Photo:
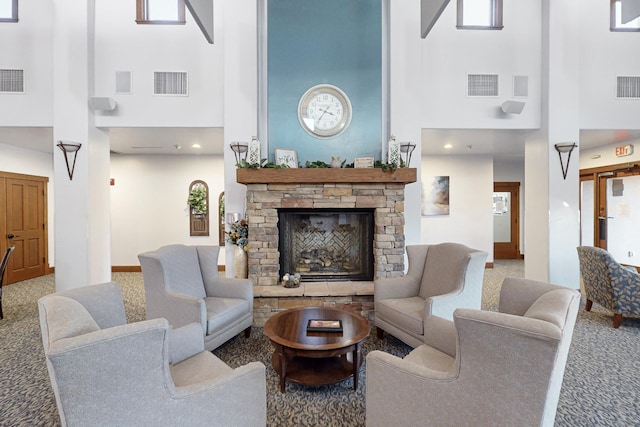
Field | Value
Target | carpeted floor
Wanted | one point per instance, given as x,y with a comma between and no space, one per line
599,389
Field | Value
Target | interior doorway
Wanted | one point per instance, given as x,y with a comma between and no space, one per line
23,224
506,220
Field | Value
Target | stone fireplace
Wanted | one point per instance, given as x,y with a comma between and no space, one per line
270,190
273,191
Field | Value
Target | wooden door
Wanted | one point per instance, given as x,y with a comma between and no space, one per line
506,212
25,227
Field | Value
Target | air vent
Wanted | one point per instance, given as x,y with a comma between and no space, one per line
482,85
123,82
11,81
628,87
170,83
521,86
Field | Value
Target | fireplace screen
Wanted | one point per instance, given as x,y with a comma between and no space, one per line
326,244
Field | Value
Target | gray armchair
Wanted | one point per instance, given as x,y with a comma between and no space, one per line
105,372
440,279
483,368
182,284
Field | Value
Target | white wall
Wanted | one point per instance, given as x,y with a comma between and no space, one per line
29,162
123,45
470,221
26,45
148,202
603,56
450,54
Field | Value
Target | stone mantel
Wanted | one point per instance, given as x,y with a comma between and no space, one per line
325,176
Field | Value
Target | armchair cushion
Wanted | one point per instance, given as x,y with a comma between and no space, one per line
408,312
224,311
69,319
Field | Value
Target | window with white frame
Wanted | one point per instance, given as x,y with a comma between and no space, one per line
480,14
616,19
8,10
166,12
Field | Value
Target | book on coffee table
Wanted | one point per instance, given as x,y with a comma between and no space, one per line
321,325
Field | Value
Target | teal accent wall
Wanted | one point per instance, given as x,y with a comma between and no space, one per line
325,41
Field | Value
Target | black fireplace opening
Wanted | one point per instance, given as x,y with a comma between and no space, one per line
326,244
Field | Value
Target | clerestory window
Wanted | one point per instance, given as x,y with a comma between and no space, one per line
8,10
616,19
479,14
163,12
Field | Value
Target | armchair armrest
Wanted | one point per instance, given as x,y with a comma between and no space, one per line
444,305
390,380
185,342
226,287
398,287
407,286
238,397
178,309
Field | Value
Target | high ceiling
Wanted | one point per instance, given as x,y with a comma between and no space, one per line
501,144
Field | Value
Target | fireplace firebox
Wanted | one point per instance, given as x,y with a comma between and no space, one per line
326,244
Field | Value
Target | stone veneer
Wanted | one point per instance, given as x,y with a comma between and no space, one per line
317,189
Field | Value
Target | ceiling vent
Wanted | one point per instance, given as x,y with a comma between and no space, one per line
170,83
628,87
123,82
482,85
11,81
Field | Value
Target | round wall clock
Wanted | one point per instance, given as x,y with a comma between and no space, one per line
324,111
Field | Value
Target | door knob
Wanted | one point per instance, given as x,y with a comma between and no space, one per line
10,236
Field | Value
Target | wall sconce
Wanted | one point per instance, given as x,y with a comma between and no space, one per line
68,148
561,148
406,149
512,107
240,150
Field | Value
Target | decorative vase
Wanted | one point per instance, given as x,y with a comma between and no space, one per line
240,263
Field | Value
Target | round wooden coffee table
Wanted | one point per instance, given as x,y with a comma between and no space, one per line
316,358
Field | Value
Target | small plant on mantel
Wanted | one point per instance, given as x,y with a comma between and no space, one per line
264,164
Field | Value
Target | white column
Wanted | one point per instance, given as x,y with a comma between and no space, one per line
404,80
552,202
240,97
81,206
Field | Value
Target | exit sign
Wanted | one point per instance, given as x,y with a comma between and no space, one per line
624,150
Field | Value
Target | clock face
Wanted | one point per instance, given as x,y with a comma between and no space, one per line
324,111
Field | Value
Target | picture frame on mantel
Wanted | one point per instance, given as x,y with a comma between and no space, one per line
363,162
286,156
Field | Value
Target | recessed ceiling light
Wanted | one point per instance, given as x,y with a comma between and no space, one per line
448,146
195,146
